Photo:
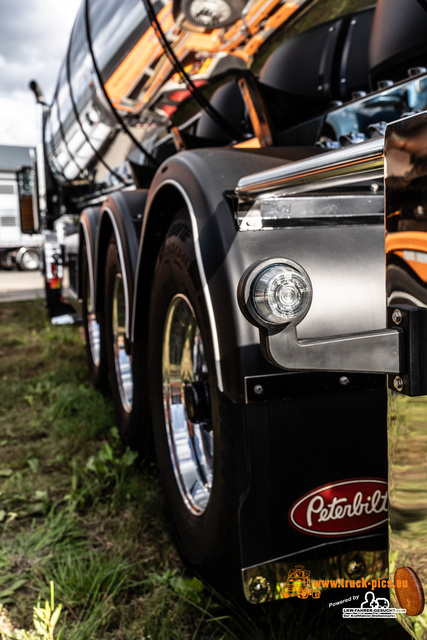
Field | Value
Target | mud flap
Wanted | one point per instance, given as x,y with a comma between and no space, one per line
318,480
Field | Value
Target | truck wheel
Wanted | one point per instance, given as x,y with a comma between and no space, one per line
95,343
120,366
199,451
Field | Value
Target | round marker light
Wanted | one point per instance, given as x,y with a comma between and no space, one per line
409,591
281,294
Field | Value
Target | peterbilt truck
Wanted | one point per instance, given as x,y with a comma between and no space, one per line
232,196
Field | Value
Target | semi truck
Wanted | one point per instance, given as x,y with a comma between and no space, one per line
234,193
17,248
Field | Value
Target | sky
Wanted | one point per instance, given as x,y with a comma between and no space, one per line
34,35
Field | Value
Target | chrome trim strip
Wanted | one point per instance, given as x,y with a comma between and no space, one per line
268,581
298,210
360,158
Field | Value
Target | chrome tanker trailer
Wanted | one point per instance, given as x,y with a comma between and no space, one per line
212,193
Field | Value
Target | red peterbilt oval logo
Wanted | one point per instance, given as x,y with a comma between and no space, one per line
342,508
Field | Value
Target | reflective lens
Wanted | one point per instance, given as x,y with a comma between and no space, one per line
209,13
281,294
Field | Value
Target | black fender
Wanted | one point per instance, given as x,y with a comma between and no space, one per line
202,181
121,214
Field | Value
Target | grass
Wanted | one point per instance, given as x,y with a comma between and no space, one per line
86,550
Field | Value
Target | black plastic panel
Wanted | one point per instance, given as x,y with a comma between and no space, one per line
299,444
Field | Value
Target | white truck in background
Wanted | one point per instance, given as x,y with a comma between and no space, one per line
17,249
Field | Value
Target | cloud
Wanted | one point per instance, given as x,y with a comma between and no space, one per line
18,121
34,36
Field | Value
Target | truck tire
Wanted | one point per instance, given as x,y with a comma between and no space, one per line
199,447
402,288
120,365
94,330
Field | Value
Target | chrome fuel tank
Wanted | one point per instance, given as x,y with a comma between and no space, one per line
140,83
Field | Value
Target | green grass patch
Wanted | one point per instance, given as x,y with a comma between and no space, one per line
86,550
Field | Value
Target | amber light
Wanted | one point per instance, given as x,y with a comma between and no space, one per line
411,595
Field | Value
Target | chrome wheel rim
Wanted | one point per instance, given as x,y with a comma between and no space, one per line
93,328
122,360
190,441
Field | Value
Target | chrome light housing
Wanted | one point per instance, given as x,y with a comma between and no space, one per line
275,292
210,14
